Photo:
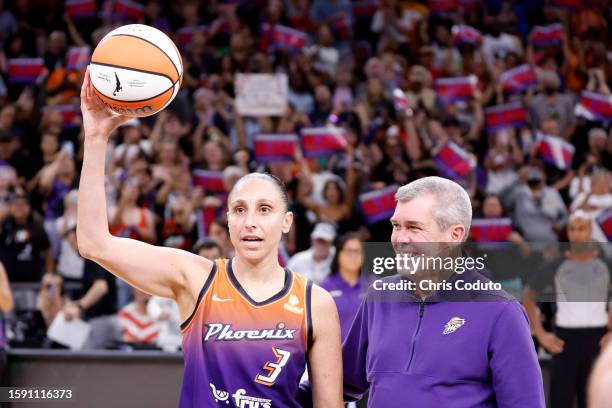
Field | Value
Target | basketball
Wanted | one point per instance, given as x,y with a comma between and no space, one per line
136,70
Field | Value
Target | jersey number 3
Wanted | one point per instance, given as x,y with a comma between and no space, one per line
273,368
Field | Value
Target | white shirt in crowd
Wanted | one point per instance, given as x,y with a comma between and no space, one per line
305,264
169,329
595,205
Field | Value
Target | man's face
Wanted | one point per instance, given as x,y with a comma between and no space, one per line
579,231
416,232
210,253
412,222
321,247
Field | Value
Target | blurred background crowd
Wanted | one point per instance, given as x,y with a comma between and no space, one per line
509,98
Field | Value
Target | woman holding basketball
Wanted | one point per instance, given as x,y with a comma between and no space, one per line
249,326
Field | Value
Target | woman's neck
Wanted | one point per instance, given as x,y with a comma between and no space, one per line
266,271
351,277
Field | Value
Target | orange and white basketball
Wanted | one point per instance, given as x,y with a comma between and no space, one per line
136,70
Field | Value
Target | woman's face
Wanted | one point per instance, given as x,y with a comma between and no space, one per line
131,135
257,217
350,257
56,118
332,193
167,153
130,190
49,144
218,233
213,154
491,208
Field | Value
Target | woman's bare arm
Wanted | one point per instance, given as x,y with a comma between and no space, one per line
6,297
159,271
325,357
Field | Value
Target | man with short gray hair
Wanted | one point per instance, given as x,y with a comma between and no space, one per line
424,348
452,204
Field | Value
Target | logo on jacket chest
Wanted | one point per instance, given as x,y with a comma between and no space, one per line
453,325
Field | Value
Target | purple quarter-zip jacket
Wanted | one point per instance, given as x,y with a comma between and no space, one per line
457,350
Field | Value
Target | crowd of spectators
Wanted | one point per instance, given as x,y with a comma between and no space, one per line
374,69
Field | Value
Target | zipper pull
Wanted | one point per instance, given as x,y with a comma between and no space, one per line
421,309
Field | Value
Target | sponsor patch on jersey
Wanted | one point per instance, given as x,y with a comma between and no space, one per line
240,398
224,332
292,305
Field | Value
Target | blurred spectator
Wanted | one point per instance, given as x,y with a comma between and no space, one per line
324,55
447,59
597,200
338,196
596,158
219,232
496,43
51,297
553,104
537,210
165,313
53,182
581,317
127,219
98,294
137,325
420,95
178,230
8,24
9,153
502,161
507,261
345,281
133,145
56,50
322,106
207,248
326,11
30,327
315,262
25,249
492,209
393,22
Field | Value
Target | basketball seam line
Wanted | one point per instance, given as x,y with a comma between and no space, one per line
156,46
134,69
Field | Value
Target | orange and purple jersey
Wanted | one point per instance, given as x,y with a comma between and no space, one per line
242,353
